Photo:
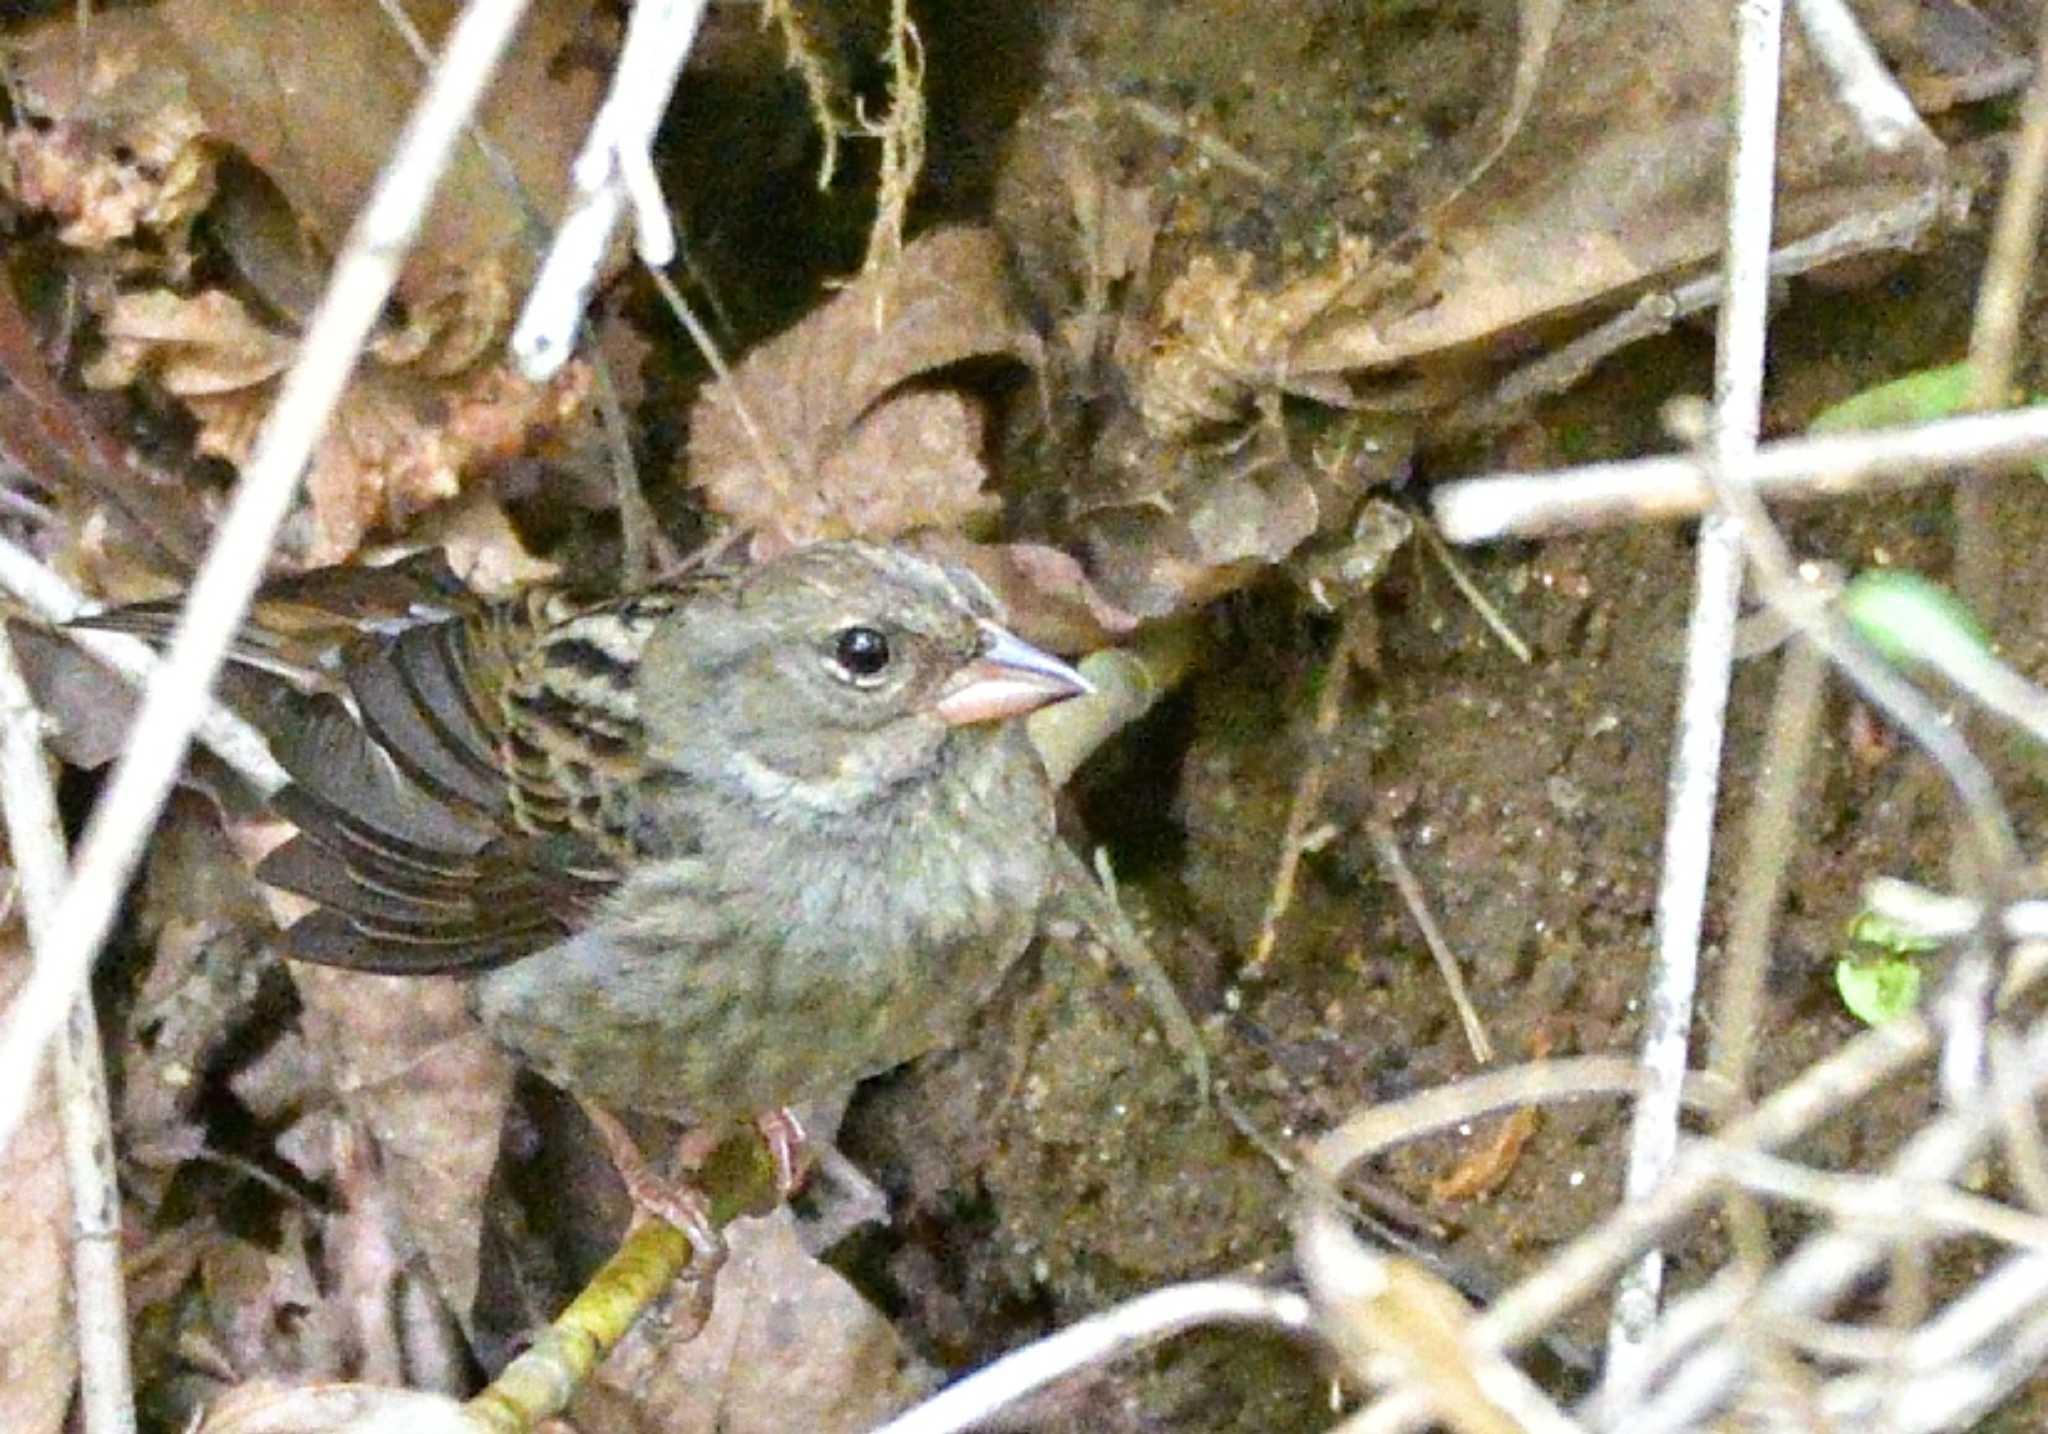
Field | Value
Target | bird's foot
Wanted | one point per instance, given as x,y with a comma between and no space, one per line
674,1201
788,1147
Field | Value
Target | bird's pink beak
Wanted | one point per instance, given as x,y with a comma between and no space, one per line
1008,679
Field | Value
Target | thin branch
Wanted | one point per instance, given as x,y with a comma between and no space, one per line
1995,329
1527,505
1767,850
1710,654
1827,1266
56,602
1879,1205
1381,1127
1862,83
36,837
613,170
1576,1272
1115,1332
1804,605
1902,227
1387,849
175,700
1972,1356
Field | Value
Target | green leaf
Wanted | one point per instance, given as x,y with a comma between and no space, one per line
1870,930
1918,397
1911,619
1880,990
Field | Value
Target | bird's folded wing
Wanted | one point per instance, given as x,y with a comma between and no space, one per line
377,697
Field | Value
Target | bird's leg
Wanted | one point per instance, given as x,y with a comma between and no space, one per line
676,1201
787,1145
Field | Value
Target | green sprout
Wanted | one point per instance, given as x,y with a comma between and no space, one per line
1920,397
1878,971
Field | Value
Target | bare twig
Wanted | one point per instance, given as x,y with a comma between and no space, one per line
1958,1367
1802,604
1710,653
1901,227
2025,1155
1578,1270
174,702
775,463
1395,865
1862,83
1480,510
1827,1266
36,838
1766,859
1382,1127
1489,614
55,601
1994,333
1882,1206
613,170
1303,806
1115,1332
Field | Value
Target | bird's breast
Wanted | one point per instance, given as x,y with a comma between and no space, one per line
785,959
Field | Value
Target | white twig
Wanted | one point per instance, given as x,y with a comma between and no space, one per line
1710,655
1921,1210
36,837
1961,1363
614,170
1115,1332
176,698
1948,918
1862,83
1479,510
56,602
1828,1265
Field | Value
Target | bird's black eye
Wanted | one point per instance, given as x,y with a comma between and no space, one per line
861,651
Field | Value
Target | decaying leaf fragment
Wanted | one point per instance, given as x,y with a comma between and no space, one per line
35,1212
828,429
400,440
115,147
126,128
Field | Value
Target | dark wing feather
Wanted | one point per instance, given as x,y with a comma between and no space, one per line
410,830
461,771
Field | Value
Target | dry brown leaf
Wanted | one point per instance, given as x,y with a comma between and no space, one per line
266,1407
1047,596
842,451
265,1305
38,1361
207,931
1222,523
167,89
397,446
1613,179
121,154
263,80
789,1345
483,549
417,1070
207,344
1219,340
